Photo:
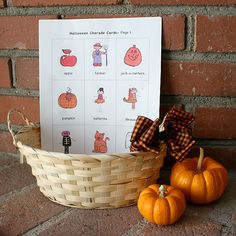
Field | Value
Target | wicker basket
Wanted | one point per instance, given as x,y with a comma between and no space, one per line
86,181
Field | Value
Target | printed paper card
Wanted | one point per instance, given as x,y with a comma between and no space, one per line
96,77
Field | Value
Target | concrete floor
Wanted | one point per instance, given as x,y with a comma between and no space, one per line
25,211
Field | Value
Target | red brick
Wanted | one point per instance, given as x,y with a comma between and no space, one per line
29,3
215,34
1,3
25,211
215,123
96,222
28,105
173,29
184,2
198,78
16,177
27,73
5,80
6,144
188,225
173,32
20,32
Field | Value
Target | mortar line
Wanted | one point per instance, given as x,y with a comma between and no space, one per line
5,167
123,9
8,196
211,57
227,143
137,228
13,157
29,53
189,35
206,101
19,92
50,222
186,55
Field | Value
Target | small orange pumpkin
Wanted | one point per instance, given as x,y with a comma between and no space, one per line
201,180
161,205
67,99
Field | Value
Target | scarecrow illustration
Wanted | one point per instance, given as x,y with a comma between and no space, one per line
97,54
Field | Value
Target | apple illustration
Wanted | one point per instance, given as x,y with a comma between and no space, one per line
67,59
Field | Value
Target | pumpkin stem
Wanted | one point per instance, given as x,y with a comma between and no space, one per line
163,191
200,160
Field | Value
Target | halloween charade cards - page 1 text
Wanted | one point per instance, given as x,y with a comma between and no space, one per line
96,77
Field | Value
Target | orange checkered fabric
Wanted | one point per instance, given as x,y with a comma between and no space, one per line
174,130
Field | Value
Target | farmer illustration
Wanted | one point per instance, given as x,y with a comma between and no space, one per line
97,54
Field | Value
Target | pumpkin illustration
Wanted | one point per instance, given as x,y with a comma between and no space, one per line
133,56
67,99
161,205
202,180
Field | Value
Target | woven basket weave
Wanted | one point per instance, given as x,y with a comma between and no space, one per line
86,181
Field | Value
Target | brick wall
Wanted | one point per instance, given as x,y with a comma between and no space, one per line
198,69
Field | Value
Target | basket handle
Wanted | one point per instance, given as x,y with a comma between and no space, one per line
9,122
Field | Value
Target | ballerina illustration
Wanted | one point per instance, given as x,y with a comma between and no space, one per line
100,98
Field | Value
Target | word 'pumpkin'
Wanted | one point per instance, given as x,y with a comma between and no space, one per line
161,205
201,180
67,99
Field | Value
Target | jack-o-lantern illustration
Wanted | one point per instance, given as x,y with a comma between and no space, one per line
133,56
67,99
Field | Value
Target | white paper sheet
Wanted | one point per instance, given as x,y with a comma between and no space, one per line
96,77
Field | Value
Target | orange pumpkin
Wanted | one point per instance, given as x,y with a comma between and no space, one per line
201,180
67,99
162,205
